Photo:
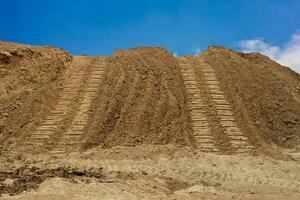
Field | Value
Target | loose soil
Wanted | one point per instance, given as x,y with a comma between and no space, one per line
141,101
121,127
150,172
265,94
30,84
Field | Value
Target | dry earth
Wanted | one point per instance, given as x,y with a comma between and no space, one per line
142,124
152,172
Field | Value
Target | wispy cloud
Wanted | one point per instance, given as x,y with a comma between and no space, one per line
288,54
196,51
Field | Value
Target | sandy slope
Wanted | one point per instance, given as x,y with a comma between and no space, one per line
264,94
30,79
135,125
139,97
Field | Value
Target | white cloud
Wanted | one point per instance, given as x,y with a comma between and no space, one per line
196,51
288,54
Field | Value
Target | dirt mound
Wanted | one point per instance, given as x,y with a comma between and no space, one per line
141,101
151,118
222,101
265,94
29,81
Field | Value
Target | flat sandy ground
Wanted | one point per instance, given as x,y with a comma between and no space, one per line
153,172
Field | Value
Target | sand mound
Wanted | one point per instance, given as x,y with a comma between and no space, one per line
141,101
29,83
54,108
222,101
265,94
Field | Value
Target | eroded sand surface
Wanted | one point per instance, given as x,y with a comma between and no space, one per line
158,172
143,124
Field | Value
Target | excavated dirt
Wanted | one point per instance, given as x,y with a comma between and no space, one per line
265,94
150,172
141,101
142,124
24,178
29,85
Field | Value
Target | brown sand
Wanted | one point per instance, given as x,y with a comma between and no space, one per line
134,125
29,86
265,94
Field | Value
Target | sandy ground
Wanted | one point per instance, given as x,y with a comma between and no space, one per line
161,172
141,101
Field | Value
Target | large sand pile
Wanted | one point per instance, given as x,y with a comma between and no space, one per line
29,85
145,113
141,101
265,94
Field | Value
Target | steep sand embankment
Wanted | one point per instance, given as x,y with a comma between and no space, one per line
29,84
265,94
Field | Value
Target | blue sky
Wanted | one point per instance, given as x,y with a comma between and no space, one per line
182,26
